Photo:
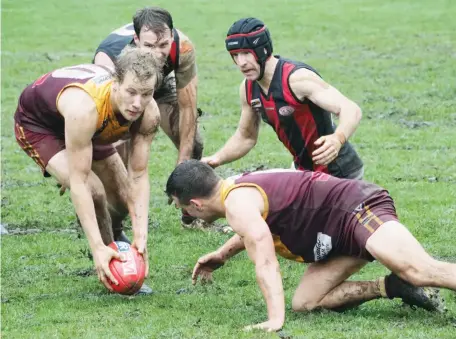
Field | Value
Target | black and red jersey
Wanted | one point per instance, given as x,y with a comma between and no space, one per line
298,124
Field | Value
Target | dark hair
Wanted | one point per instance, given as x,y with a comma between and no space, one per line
191,179
156,19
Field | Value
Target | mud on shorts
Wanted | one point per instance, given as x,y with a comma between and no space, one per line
364,221
167,94
41,147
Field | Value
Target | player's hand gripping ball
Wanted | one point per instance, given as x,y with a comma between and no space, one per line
129,273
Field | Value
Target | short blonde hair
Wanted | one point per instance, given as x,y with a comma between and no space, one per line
142,63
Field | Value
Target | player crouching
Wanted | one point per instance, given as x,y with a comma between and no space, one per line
335,225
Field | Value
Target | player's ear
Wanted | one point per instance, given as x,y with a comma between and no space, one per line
136,39
197,204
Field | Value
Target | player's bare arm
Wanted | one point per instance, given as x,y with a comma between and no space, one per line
80,126
243,140
103,59
244,208
307,85
143,131
186,83
214,260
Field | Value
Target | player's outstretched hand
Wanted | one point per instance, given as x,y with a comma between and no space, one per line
205,266
212,161
268,326
102,256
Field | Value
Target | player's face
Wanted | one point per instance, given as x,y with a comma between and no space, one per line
197,209
247,65
133,96
159,45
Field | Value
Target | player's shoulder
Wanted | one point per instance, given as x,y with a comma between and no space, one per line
126,30
302,74
115,42
76,102
186,46
243,196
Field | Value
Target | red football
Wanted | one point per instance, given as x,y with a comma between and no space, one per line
129,273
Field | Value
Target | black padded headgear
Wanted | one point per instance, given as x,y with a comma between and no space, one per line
250,35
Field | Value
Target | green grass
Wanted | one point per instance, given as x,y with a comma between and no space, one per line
395,58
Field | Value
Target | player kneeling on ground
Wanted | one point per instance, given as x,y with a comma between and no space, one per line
67,121
336,225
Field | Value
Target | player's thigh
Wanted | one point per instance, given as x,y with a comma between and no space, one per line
59,168
38,146
394,246
322,277
113,174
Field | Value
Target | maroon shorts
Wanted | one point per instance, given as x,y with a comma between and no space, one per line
42,147
364,221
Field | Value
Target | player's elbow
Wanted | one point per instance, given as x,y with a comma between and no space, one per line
357,114
247,139
350,110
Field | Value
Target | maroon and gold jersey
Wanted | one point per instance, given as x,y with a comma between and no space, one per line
309,213
37,109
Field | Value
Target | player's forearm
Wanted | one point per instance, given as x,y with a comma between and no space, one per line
187,130
235,148
138,202
83,203
232,247
188,114
349,119
270,282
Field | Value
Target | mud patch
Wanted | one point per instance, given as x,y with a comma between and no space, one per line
414,124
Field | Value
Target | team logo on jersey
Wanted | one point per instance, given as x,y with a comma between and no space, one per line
358,208
255,103
256,106
286,111
322,247
101,79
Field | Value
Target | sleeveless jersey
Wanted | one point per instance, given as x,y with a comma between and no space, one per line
307,212
37,110
298,124
123,36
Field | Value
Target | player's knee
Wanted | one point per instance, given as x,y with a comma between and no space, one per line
303,304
